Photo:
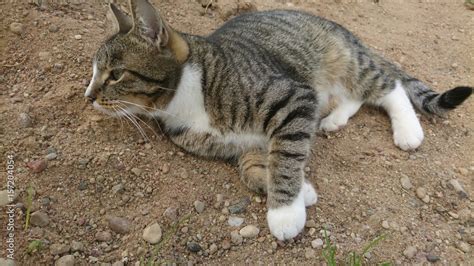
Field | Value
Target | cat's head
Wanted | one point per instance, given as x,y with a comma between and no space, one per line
137,68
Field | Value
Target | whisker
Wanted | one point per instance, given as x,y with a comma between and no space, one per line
135,123
139,119
147,107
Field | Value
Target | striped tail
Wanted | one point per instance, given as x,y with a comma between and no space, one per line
430,102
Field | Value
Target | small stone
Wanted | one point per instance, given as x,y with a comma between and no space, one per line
77,246
165,169
463,171
78,37
240,206
193,247
453,214
309,253
118,224
225,244
7,198
406,183
171,213
103,236
317,243
17,28
422,194
236,238
39,218
37,166
119,188
45,56
59,249
213,249
53,28
432,258
410,252
25,120
82,185
385,225
310,224
199,206
67,260
463,246
235,221
458,187
249,231
136,171
51,156
152,233
58,68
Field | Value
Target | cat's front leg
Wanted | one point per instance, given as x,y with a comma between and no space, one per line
288,192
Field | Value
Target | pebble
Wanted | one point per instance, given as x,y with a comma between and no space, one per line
249,231
78,37
309,253
152,233
236,238
53,28
199,206
225,244
119,188
171,213
37,166
213,249
17,28
77,246
385,225
25,120
240,206
317,243
235,221
67,260
82,185
432,258
410,252
59,249
406,183
45,56
5,198
51,156
39,218
118,224
136,171
103,236
310,224
463,246
193,247
458,187
421,193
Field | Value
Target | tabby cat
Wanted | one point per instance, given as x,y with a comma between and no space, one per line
253,92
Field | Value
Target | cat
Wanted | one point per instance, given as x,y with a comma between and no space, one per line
253,92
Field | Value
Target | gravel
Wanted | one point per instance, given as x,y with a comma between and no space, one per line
235,221
432,258
37,166
410,252
59,249
25,120
171,213
67,260
309,253
422,194
118,224
317,243
78,37
53,28
240,206
77,246
17,28
152,233
463,246
249,231
193,247
405,182
199,206
103,236
236,238
51,156
458,187
39,218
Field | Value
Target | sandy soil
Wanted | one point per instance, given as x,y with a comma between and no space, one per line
105,169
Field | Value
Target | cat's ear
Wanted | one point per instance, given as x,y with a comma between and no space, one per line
148,22
122,22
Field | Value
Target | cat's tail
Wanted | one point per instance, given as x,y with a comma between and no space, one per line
430,102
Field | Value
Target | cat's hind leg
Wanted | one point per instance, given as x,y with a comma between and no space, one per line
339,116
407,131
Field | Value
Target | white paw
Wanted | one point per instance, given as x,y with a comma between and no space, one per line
408,136
332,123
310,195
287,221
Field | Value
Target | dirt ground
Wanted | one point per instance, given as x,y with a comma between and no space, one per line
103,168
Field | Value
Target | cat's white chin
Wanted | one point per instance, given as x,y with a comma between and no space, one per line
288,221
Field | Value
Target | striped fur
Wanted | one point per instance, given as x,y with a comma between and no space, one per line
253,92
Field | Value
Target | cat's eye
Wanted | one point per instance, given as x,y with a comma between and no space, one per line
116,74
